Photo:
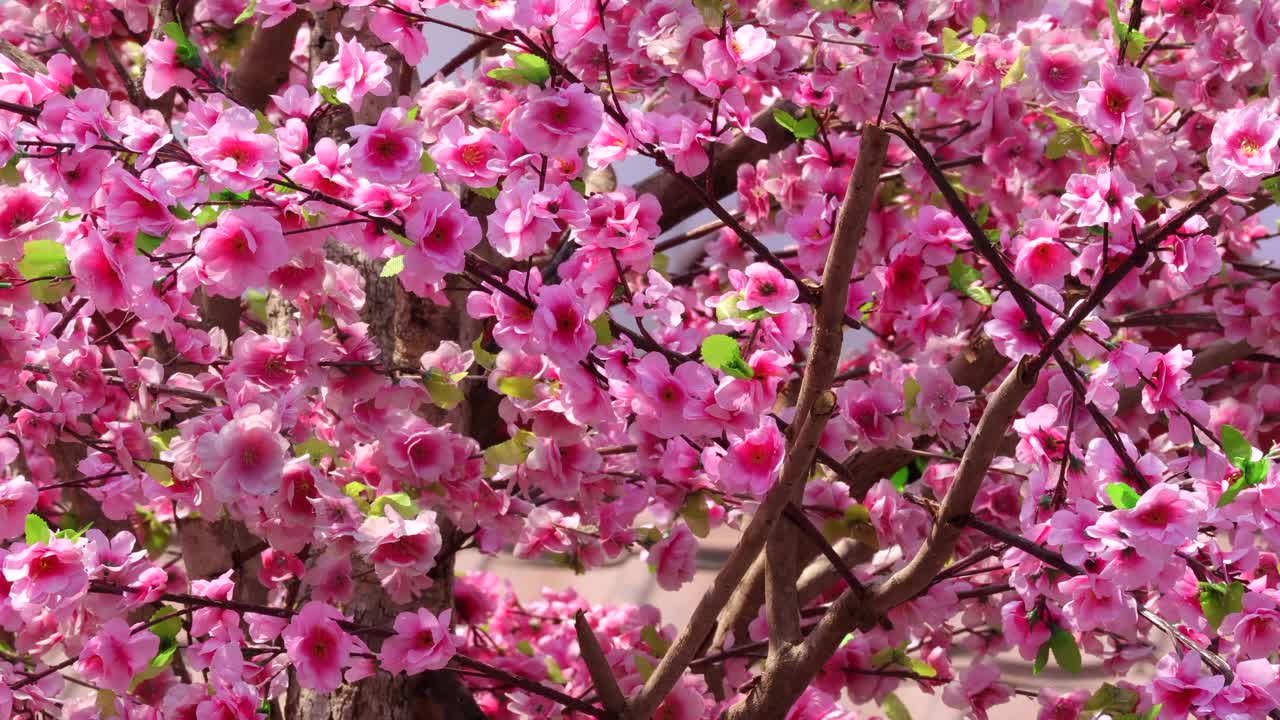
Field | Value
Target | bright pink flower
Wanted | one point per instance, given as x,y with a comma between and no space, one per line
422,642
559,122
1164,514
560,324
1256,629
241,251
1020,631
748,43
389,151
46,574
1061,705
234,153
113,656
402,551
1253,693
109,275
423,451
1245,147
935,235
900,39
400,31
246,456
1107,198
525,218
278,567
1098,604
1182,686
132,204
442,232
17,498
476,158
977,690
752,464
85,119
1168,372
1058,69
662,398
353,73
1010,329
672,558
766,287
1114,105
620,219
163,71
318,647
1043,261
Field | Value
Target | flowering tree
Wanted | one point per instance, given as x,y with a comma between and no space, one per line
975,354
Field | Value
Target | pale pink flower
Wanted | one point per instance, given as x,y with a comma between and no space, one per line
394,545
1058,69
114,655
163,71
354,73
1096,604
559,121
318,647
400,31
1114,105
1253,693
1245,147
977,690
1106,198
1256,628
1043,261
17,498
764,286
422,642
46,574
1182,686
672,558
748,43
1010,329
234,153
476,158
1165,514
241,251
1168,372
389,151
246,456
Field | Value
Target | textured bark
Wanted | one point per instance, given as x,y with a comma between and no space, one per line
264,65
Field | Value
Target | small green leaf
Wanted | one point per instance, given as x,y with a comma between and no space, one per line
922,668
167,630
1042,658
532,68
953,46
328,94
525,647
44,258
316,449
37,530
145,243
1112,700
968,280
1065,650
554,673
883,657
187,53
523,388
712,12
979,25
604,333
403,504
1016,71
247,13
490,193
427,164
901,477
910,391
804,127
1122,496
721,352
444,392
257,302
394,266
658,645
511,76
484,358
510,452
644,667
696,515
1272,186
1236,447
894,708
1218,600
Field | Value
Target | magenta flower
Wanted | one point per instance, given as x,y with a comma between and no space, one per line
163,72
354,73
1256,629
1245,147
245,456
389,151
1010,329
1108,197
50,574
1098,604
318,647
1253,693
1043,261
241,251
1182,686
766,287
422,642
113,656
559,122
134,204
752,464
1168,372
402,551
1114,106
1165,514
442,233
560,324
234,153
17,498
672,558
423,451
1058,69
476,158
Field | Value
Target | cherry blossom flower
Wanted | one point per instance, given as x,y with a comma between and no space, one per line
672,558
1245,147
354,73
318,647
422,642
559,122
1114,105
114,655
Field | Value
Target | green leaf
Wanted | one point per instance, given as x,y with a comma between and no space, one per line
37,530
509,452
644,667
328,94
511,76
1218,600
248,12
953,46
490,193
1016,71
316,448
658,645
554,673
604,333
979,25
803,127
360,492
1122,496
712,12
968,280
696,515
901,477
187,53
167,630
427,163
523,388
922,668
1236,447
1065,650
145,243
894,708
532,68
1272,186
983,214
44,258
910,391
404,505
394,266
883,657
1112,700
444,392
158,472
484,358
1042,658
525,647
257,302
721,352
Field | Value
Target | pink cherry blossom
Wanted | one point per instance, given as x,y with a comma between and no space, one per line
1114,105
114,655
752,464
318,647
388,151
241,251
475,157
1245,147
234,153
672,558
559,122
560,324
354,72
767,288
17,498
422,642
246,455
977,690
